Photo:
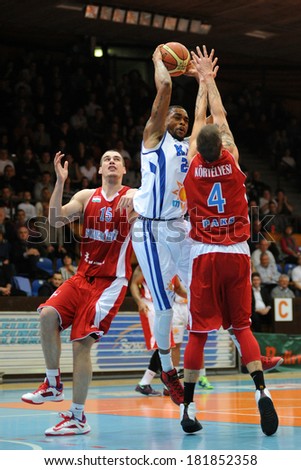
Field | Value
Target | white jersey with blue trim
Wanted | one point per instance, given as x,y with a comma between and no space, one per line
163,169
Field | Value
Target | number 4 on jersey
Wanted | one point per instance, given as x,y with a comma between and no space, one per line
215,198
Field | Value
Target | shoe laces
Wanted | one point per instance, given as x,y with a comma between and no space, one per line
176,384
66,417
43,386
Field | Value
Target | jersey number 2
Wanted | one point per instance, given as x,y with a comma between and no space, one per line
215,198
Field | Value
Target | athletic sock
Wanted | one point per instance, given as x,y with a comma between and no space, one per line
258,379
166,362
53,377
188,392
147,377
77,410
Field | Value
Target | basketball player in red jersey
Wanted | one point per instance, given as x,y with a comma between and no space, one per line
89,300
220,289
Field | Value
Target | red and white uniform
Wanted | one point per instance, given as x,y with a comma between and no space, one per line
91,298
219,278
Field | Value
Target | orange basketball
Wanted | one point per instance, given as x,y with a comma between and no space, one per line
175,57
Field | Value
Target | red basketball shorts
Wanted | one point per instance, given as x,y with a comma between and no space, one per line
89,307
220,291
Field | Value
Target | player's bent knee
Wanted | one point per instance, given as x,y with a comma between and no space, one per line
49,317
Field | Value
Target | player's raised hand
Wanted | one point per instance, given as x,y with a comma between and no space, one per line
205,64
60,170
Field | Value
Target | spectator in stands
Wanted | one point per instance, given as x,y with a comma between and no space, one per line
256,186
52,237
79,123
27,206
68,269
6,226
296,277
5,250
8,178
89,170
19,221
261,304
45,182
73,170
41,138
122,150
287,164
132,178
289,246
276,222
8,200
84,183
50,286
45,163
7,270
5,160
283,205
268,271
45,198
27,170
282,290
25,255
256,234
264,201
263,247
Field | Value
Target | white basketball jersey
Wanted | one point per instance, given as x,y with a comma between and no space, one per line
163,169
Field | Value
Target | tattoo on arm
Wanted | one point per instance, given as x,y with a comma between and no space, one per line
227,137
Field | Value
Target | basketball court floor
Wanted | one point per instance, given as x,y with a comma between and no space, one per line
121,418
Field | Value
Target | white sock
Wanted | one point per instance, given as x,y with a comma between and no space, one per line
202,373
77,410
52,376
147,378
166,362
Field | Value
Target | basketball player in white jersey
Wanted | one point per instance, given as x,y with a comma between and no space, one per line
159,234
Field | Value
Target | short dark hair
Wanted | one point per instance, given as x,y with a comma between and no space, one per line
173,107
209,142
255,274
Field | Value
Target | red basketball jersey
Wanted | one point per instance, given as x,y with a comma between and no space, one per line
217,201
105,246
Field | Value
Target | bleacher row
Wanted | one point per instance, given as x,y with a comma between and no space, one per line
286,268
31,288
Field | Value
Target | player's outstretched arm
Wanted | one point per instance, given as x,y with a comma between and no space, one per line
200,110
155,126
59,215
207,66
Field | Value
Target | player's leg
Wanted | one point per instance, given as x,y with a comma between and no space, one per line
237,312
52,388
144,386
269,363
74,420
192,365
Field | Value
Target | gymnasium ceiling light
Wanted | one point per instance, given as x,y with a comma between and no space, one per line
91,12
145,18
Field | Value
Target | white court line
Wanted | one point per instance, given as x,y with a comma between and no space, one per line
29,444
